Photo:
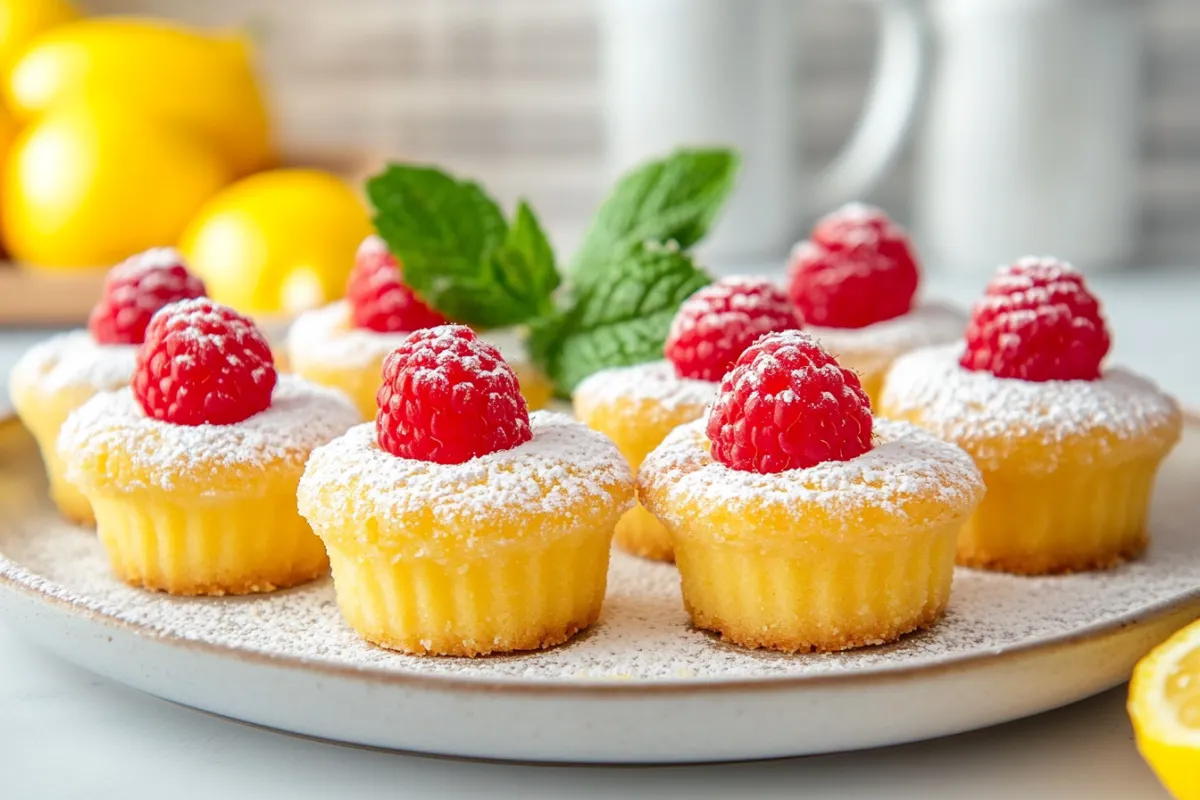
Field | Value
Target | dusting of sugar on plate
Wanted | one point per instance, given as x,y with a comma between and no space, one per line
871,348
992,417
73,360
163,455
654,381
643,635
905,465
565,469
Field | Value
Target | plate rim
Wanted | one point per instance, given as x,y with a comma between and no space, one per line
12,580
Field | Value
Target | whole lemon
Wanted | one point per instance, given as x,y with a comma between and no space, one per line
194,79
278,241
91,184
21,20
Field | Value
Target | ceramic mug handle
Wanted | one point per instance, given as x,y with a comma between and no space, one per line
898,82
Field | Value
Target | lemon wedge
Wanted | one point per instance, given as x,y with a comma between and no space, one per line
1164,703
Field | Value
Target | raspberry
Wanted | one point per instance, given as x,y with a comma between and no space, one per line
857,269
135,289
447,397
1037,321
203,363
717,323
788,404
379,298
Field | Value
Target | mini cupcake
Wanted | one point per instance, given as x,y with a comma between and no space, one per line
854,283
192,471
638,406
458,523
1068,450
57,376
800,523
343,345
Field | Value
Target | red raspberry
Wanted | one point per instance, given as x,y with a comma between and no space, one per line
447,397
788,404
1037,321
857,269
718,322
203,363
135,289
379,298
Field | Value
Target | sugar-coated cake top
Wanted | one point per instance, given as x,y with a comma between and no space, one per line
73,360
925,325
566,476
654,381
907,474
111,444
326,337
1119,414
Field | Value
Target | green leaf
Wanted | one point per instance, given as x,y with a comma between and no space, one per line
458,251
618,316
672,199
528,270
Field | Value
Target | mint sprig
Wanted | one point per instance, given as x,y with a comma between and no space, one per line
675,198
458,251
619,317
468,261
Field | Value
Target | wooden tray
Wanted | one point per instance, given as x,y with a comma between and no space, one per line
65,296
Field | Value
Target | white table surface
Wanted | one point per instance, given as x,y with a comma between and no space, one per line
65,733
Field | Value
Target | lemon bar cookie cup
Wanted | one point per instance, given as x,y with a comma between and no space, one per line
53,379
506,551
1069,464
637,407
838,555
204,509
872,349
324,346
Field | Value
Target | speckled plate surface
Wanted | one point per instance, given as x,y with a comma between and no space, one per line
641,686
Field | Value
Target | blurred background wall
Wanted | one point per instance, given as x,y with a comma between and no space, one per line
505,90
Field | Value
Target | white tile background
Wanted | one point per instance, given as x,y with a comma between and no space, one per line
505,90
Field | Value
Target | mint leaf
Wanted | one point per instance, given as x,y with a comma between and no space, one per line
618,317
527,259
458,251
672,199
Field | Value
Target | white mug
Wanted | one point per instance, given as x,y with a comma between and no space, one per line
722,72
1030,145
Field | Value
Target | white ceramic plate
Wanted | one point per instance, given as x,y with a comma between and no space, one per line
640,687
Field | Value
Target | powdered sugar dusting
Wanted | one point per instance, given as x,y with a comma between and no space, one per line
563,468
992,417
326,338
373,245
654,381
643,636
154,258
162,455
873,347
905,465
73,360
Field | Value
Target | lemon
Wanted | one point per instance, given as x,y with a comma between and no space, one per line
8,131
21,20
278,241
89,184
1164,703
201,81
